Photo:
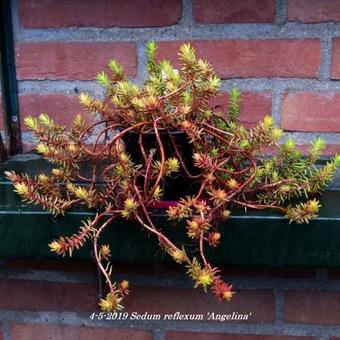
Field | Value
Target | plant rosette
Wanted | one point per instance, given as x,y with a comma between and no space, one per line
133,152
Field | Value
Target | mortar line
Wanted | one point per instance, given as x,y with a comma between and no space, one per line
141,62
6,329
323,337
182,31
47,276
277,104
243,84
279,306
283,84
280,12
187,13
325,57
158,334
15,20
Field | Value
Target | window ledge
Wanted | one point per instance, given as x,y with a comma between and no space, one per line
255,238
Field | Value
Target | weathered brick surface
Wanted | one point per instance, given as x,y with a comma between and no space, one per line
255,58
66,60
313,307
185,300
313,11
336,59
220,336
254,106
57,332
311,111
61,108
47,296
229,11
104,13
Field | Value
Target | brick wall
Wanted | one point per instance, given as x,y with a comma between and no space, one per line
54,300
283,54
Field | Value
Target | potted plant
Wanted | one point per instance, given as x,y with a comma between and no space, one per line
149,137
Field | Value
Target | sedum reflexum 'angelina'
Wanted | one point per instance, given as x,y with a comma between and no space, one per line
228,161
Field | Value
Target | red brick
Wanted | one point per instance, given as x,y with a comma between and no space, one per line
28,147
141,268
66,265
220,336
270,272
230,11
156,300
253,272
333,273
55,296
72,60
311,111
312,307
254,58
336,59
313,11
62,108
254,106
104,13
58,332
47,296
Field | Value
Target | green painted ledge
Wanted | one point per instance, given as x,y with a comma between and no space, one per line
256,238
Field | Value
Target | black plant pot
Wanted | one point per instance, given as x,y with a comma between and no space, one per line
178,185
